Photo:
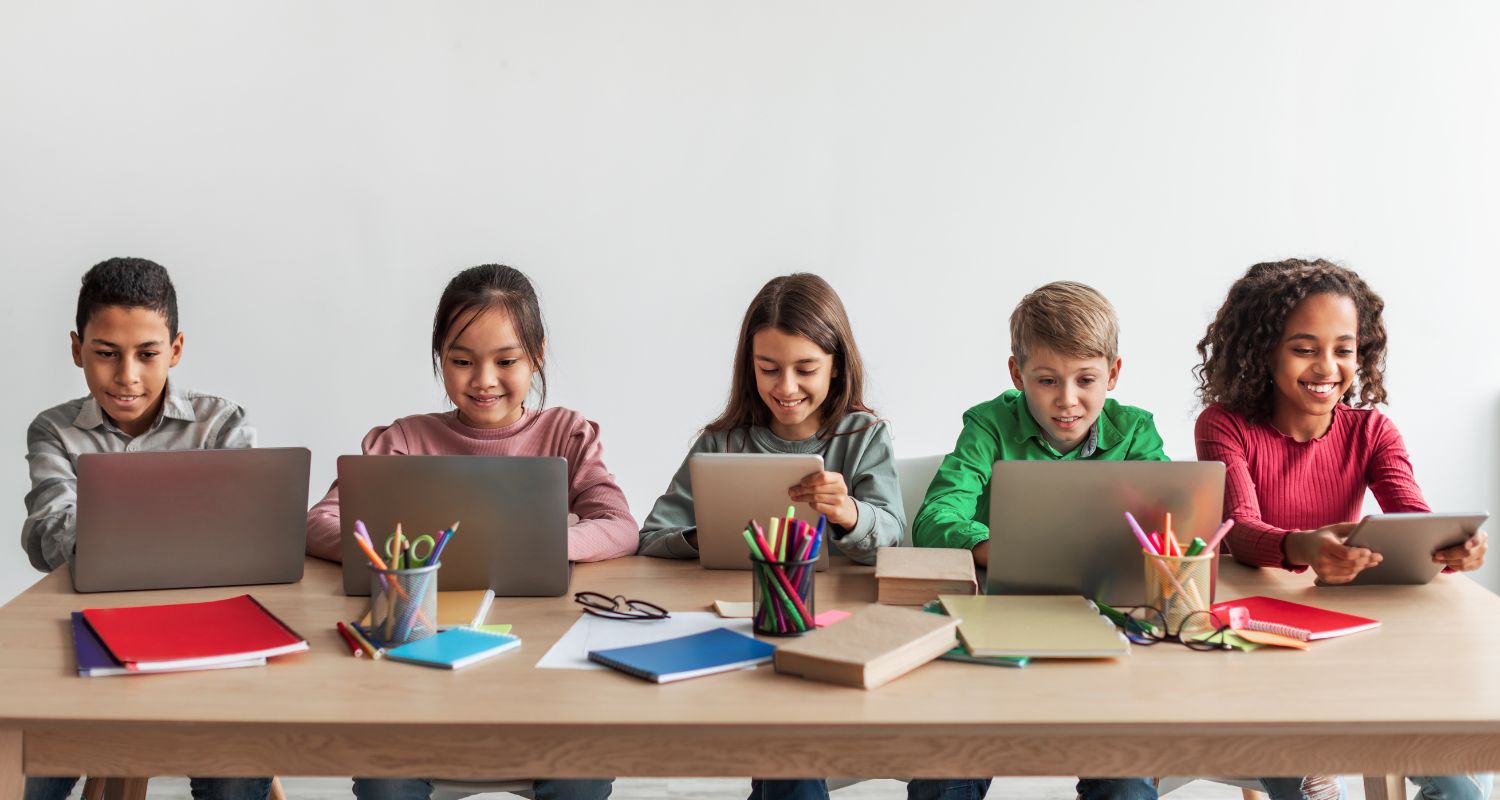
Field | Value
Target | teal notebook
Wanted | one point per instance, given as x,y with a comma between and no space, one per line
454,648
960,654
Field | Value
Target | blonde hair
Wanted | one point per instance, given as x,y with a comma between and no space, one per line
1068,317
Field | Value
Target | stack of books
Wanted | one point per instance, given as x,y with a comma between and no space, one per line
913,576
179,637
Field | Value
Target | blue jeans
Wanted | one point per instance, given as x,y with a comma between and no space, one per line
1088,789
808,789
1291,789
1454,787
421,789
947,789
202,788
1116,789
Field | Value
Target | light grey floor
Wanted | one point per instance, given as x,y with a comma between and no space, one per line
702,789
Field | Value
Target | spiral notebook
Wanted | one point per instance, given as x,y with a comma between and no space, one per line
1295,619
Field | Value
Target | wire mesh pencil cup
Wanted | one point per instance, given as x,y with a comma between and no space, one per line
403,604
783,596
1179,585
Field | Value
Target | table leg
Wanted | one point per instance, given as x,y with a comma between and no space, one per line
125,788
12,779
1385,787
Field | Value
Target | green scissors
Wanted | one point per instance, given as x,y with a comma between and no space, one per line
414,558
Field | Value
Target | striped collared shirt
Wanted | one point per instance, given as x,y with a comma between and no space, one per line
59,435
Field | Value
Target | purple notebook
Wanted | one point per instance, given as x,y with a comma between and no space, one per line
93,659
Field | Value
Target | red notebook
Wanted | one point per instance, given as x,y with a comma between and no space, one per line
1320,623
186,635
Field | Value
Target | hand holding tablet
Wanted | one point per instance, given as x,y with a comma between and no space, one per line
1415,547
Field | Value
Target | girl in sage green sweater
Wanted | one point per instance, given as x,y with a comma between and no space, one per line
797,387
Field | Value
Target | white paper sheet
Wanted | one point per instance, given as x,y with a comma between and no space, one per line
597,633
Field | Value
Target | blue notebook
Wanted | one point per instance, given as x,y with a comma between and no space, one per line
454,648
706,653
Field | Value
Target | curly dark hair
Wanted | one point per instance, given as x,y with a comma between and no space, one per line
1238,347
128,282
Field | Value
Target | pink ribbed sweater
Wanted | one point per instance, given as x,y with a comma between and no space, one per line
1275,484
605,528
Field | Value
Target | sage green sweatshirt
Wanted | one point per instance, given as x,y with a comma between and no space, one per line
859,449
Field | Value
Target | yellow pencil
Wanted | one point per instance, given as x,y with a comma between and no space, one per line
359,641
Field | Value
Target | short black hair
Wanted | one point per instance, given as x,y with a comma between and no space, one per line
131,283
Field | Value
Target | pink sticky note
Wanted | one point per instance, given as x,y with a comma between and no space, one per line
829,617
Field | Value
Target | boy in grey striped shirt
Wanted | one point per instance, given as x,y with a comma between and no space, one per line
125,342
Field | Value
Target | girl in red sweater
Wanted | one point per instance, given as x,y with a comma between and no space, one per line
1290,376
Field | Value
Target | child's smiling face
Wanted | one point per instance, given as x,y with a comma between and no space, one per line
125,354
1064,394
486,372
1317,359
793,376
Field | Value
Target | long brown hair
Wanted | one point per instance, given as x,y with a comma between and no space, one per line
1238,349
800,304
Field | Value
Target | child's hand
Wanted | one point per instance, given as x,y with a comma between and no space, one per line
828,495
1324,550
1464,557
981,553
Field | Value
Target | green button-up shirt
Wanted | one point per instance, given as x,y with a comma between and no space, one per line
956,511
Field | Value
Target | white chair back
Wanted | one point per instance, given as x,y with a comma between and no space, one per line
915,474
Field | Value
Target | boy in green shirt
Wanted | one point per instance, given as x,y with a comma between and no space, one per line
1064,359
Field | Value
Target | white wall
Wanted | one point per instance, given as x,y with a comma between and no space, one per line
312,173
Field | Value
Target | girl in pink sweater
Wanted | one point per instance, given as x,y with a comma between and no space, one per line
488,345
1291,375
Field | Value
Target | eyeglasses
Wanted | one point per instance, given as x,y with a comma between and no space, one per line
1199,630
617,607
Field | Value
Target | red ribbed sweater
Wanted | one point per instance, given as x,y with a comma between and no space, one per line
605,529
1276,484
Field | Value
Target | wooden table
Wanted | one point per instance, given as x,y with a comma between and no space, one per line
1416,696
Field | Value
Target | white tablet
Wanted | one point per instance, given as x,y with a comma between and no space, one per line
730,489
1407,542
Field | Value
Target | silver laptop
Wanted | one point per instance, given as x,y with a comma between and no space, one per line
513,509
184,518
730,489
1058,527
